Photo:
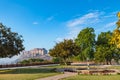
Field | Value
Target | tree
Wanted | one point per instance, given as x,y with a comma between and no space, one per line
32,60
115,40
116,33
86,40
10,42
104,50
64,50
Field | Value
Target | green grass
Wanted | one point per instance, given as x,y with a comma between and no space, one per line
35,73
26,74
65,66
96,77
91,67
114,67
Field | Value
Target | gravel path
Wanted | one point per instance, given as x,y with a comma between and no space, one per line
57,77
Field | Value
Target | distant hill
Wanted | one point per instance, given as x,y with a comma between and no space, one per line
35,53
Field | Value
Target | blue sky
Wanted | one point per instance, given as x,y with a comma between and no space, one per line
45,22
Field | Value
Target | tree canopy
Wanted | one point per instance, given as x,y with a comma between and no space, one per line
65,50
86,40
116,33
10,42
104,50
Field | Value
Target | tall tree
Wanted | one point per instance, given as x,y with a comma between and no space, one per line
116,39
104,50
64,50
116,33
10,42
86,40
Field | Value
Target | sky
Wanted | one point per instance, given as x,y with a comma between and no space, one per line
42,23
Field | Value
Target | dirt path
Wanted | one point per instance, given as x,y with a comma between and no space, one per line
57,77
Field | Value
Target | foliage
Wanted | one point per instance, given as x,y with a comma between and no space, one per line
115,40
116,33
75,58
86,40
10,42
104,50
64,50
56,60
31,61
116,55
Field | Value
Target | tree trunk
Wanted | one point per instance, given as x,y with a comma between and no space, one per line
110,62
107,62
64,60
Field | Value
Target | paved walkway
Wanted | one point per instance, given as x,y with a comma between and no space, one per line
57,77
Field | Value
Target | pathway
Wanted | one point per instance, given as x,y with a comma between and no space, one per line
57,77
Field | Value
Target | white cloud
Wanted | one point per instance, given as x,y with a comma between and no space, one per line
50,18
35,23
111,24
85,19
112,14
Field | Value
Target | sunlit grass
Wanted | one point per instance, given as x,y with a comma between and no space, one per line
25,74
114,67
94,77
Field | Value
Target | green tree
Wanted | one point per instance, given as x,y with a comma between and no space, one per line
86,40
32,60
116,55
64,50
10,42
56,60
104,50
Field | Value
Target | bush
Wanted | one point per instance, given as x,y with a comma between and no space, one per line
56,60
29,61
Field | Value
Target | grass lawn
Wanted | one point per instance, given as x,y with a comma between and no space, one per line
65,66
91,77
114,67
35,73
25,74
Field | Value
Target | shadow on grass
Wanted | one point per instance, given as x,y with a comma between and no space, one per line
27,71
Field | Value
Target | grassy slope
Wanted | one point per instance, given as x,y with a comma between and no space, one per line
25,74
